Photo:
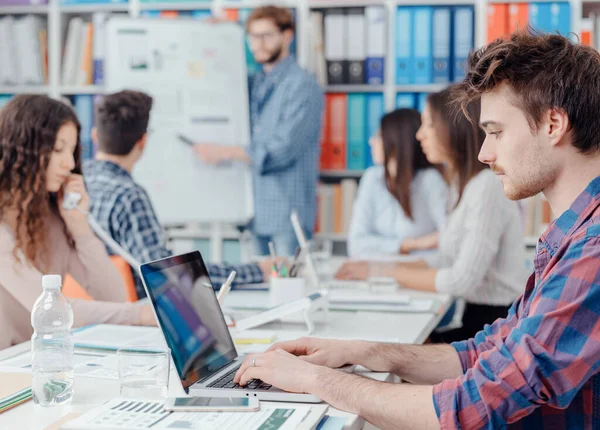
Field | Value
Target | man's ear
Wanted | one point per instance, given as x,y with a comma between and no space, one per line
95,135
141,144
288,36
557,125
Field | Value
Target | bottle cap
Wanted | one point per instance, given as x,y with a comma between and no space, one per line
53,282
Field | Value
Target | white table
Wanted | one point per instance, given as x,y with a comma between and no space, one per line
385,327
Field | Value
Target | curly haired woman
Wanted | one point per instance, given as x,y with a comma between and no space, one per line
39,151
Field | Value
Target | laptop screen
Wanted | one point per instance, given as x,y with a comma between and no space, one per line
189,315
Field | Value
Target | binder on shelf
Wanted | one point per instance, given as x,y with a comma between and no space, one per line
464,39
357,131
441,44
403,46
405,101
9,74
376,44
28,50
72,51
336,48
316,62
587,31
230,15
518,16
334,144
99,51
550,17
421,101
85,72
422,45
84,108
357,50
497,21
338,207
375,110
201,14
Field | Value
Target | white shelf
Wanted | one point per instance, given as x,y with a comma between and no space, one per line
354,88
414,88
91,8
24,89
82,89
23,9
341,173
190,5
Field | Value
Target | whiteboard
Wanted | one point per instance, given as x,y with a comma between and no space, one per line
196,74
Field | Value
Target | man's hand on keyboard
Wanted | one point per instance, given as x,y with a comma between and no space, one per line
280,369
323,352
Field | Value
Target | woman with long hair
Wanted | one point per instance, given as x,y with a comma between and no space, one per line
40,163
401,201
481,253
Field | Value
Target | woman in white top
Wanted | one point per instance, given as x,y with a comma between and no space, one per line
402,200
481,251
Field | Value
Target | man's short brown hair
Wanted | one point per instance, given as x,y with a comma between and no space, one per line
545,71
121,120
280,16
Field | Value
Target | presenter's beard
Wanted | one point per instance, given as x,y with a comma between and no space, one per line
274,56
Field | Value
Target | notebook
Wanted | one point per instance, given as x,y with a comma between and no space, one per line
14,390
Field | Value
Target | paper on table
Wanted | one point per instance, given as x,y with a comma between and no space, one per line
112,337
85,364
251,337
125,414
14,390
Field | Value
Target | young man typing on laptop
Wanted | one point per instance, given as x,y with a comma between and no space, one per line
538,367
119,204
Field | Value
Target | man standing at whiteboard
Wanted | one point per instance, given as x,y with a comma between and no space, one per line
286,106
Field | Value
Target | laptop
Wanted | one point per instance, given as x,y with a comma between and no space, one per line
192,322
311,271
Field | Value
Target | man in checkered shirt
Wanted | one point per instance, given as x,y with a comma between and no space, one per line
120,205
537,368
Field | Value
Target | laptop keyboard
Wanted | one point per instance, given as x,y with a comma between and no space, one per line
226,381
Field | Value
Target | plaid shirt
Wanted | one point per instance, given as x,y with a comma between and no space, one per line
286,106
538,367
123,209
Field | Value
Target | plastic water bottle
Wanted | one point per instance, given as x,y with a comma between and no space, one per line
52,345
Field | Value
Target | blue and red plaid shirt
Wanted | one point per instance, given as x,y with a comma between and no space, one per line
537,368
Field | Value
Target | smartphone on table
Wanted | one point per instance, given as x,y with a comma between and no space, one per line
212,404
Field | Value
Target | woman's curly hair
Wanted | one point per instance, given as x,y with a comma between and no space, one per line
29,125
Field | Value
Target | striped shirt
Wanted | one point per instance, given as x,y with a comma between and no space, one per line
481,251
538,367
286,105
123,209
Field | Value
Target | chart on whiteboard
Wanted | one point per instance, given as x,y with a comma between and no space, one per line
196,75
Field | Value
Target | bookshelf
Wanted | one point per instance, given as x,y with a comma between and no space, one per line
56,15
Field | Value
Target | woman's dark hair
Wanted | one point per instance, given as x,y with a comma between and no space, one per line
29,125
464,135
398,132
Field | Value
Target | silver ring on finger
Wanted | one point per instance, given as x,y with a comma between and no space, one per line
254,362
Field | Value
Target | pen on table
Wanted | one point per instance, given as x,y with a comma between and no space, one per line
225,287
294,262
275,269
